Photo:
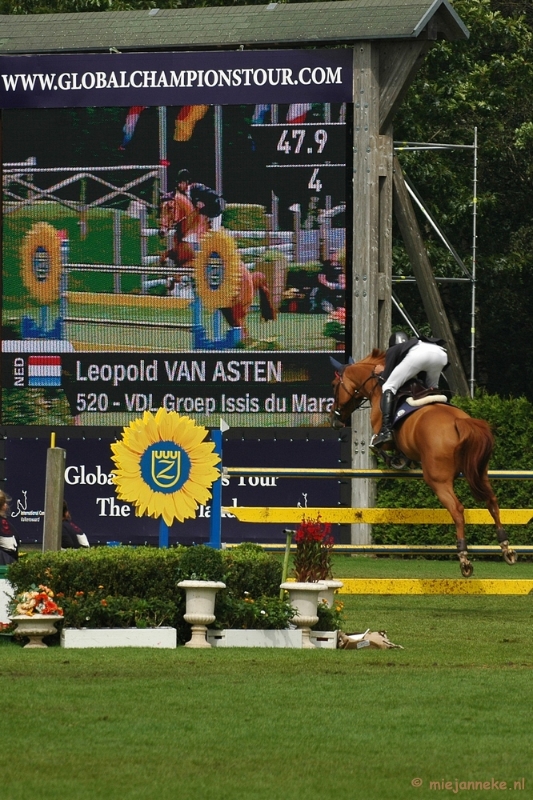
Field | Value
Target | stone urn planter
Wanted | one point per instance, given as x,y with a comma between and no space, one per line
200,608
37,626
329,594
304,597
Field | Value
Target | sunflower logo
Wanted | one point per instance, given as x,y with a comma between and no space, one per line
164,466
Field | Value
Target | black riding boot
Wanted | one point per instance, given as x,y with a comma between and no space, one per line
385,434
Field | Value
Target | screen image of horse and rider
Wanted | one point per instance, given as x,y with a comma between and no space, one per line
214,234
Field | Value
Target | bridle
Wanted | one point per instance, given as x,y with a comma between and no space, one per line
355,396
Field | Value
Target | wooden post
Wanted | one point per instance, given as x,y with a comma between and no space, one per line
425,279
366,247
53,498
382,73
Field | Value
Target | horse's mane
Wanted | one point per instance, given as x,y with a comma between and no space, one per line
375,357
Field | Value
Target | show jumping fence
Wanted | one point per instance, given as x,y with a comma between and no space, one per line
418,516
414,516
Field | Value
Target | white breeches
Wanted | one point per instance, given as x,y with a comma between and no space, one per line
422,357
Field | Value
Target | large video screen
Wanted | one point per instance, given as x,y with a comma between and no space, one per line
174,236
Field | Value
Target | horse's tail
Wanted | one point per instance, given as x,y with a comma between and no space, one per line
268,312
474,450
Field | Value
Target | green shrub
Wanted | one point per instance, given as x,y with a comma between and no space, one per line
120,571
97,610
266,613
249,569
511,421
201,563
330,619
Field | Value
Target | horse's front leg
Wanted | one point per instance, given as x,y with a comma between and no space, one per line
509,555
446,495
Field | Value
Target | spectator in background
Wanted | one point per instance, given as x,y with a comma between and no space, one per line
9,546
330,293
71,535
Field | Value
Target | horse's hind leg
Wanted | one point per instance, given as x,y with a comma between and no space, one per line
509,555
448,498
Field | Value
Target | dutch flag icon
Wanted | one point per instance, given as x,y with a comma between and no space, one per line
44,371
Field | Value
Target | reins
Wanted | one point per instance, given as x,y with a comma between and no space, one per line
355,395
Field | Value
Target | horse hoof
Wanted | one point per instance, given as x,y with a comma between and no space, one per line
509,556
467,568
399,462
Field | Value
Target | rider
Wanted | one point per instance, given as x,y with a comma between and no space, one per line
405,358
205,200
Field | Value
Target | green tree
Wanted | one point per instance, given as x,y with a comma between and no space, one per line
485,82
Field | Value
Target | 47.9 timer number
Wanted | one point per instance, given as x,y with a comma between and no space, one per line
293,141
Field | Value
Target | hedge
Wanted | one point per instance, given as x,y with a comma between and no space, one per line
124,586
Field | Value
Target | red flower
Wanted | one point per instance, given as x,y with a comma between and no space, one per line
314,543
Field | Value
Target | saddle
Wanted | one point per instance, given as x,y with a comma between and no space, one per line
410,397
415,394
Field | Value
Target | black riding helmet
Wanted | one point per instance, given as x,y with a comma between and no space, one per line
398,338
184,176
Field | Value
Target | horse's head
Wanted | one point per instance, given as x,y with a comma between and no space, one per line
166,215
353,384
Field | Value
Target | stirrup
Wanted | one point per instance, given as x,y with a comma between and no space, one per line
381,438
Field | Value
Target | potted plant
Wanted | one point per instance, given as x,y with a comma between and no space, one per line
201,568
35,613
312,568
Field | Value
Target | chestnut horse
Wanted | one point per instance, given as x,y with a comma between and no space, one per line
179,214
443,439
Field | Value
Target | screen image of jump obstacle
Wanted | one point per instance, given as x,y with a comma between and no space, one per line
174,234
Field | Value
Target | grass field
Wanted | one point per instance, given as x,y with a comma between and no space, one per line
292,332
418,567
281,724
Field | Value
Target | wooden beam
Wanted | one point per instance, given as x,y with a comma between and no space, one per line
384,285
434,586
398,64
366,253
53,498
431,299
375,516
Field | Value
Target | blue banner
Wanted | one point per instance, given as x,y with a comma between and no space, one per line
92,501
159,79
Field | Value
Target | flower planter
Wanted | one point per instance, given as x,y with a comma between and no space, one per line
200,608
278,638
304,597
329,594
36,626
324,639
119,637
233,637
6,591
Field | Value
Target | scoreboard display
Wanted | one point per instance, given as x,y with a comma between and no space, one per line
182,244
